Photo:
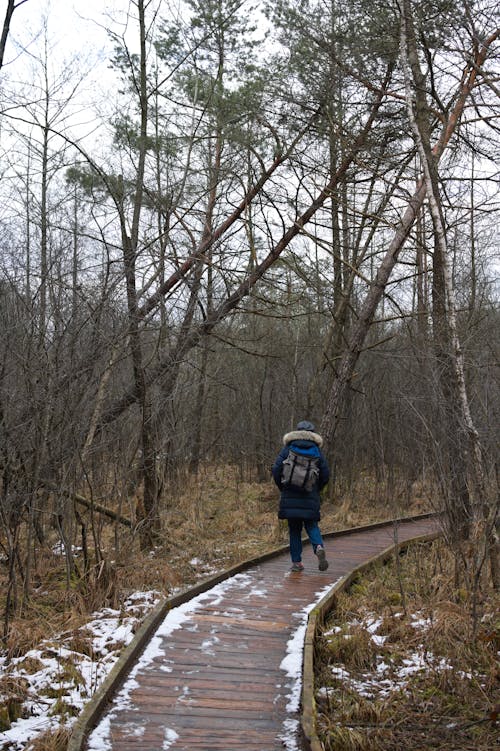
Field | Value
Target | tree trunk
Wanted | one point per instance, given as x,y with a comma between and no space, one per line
147,511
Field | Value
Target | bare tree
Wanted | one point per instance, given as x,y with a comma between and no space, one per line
354,347
468,501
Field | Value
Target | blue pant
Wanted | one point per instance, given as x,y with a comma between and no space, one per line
295,532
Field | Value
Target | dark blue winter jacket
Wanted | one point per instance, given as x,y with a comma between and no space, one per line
294,503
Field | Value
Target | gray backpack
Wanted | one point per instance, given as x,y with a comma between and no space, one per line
299,472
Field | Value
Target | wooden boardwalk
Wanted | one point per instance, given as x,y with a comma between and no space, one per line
213,676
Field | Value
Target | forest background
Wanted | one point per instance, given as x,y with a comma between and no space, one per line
253,213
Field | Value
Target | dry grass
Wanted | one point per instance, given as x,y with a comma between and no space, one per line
449,698
52,740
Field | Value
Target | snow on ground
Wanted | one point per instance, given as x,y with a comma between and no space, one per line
387,676
60,676
292,665
175,618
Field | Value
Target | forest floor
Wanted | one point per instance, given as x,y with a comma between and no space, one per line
73,629
403,665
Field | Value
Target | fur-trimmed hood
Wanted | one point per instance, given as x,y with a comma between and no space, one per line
303,435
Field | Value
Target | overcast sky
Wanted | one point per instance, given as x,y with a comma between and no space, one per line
78,44
75,29
73,24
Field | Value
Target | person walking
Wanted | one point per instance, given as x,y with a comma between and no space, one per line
300,472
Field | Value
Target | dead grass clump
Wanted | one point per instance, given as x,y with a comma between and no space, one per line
30,665
14,687
451,628
63,710
364,499
70,673
357,710
99,587
355,649
342,738
13,693
80,641
52,740
24,635
345,608
398,630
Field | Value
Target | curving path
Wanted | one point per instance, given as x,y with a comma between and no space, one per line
222,672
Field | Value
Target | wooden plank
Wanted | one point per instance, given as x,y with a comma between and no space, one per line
227,741
257,700
222,676
253,623
255,682
226,706
199,721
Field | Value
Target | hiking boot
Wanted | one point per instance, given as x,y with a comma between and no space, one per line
322,562
297,566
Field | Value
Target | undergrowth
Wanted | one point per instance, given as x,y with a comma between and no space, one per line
401,663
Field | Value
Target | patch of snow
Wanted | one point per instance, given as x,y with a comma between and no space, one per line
58,549
387,677
333,630
340,673
289,735
373,624
208,645
292,666
99,740
108,632
423,623
256,592
170,738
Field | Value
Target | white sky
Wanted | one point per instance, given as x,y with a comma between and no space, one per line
77,25
78,54
74,27
77,37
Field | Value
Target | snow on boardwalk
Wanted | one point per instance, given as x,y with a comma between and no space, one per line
223,671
